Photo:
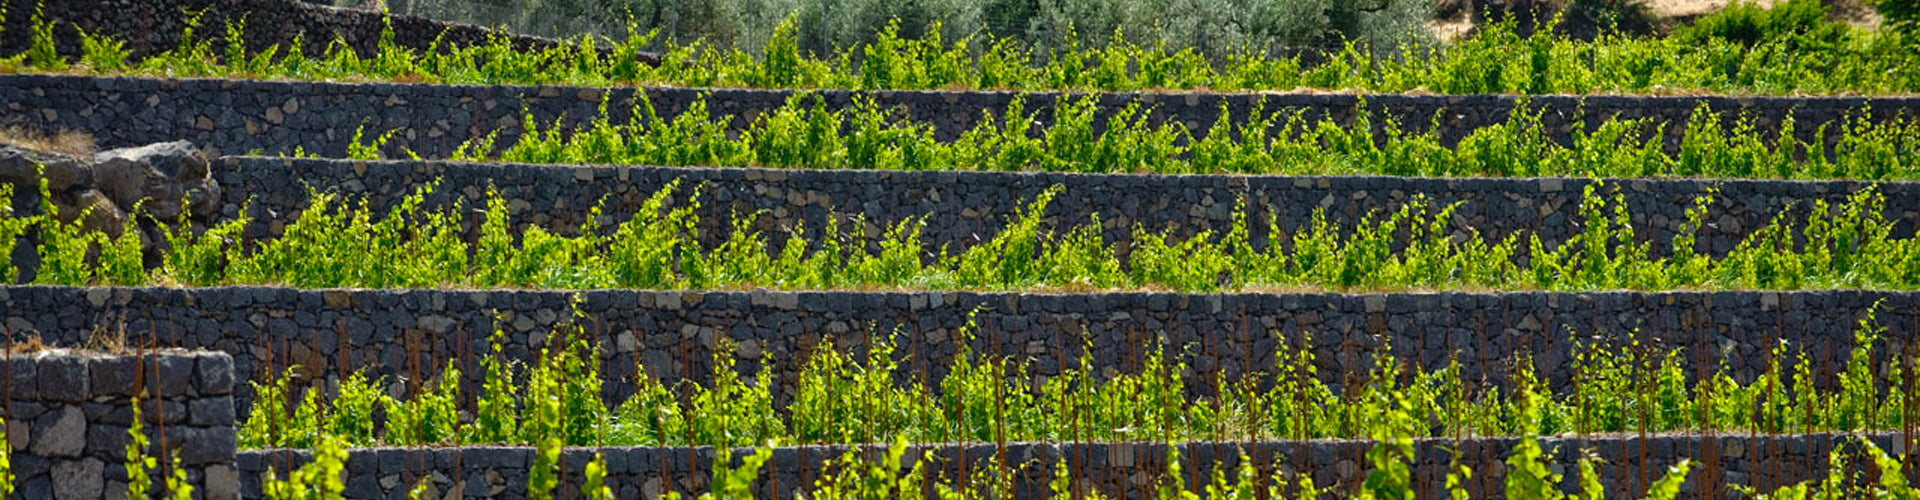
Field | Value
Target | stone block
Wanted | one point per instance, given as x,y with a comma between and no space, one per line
211,411
215,373
113,376
79,479
63,378
59,434
176,374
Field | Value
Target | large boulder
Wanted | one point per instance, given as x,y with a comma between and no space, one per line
100,214
23,168
160,177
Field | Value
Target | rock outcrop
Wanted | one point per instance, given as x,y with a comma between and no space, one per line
163,179
148,185
24,168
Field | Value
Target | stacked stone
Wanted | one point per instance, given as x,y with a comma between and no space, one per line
327,333
70,411
960,208
68,415
235,116
166,181
152,26
1625,465
964,208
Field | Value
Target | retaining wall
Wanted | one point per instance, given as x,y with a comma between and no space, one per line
672,334
68,413
1117,470
153,26
232,116
964,208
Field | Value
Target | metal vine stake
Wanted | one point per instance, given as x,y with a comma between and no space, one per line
1373,63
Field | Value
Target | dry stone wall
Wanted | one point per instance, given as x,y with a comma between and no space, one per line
68,413
153,26
672,334
1119,470
232,116
964,208
961,209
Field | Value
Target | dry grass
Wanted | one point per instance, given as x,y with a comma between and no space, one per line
30,344
67,142
109,336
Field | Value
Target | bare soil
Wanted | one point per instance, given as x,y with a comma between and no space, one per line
1669,9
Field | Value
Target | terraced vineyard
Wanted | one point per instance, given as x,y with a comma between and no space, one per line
485,266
